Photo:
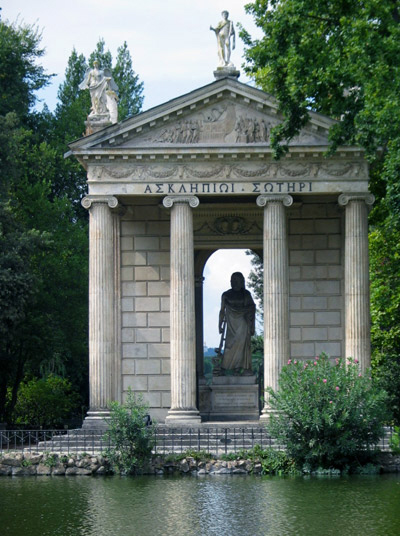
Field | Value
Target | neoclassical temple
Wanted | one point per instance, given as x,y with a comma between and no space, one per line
170,186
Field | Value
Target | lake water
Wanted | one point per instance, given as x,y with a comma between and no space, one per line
221,505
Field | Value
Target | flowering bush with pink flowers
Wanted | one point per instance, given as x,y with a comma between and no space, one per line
327,413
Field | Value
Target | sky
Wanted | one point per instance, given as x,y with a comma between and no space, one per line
172,47
173,52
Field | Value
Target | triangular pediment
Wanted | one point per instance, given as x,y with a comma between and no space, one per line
224,113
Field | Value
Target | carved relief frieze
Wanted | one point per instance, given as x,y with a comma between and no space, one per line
135,172
228,225
252,130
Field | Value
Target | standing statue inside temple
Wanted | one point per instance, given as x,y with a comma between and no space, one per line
224,31
237,317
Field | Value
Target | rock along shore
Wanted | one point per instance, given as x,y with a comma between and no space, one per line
60,464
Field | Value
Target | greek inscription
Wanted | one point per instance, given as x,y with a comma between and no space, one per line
268,187
228,187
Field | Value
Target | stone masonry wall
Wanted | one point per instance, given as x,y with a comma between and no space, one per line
316,279
145,276
316,292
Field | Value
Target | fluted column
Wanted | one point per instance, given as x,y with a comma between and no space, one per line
356,276
183,324
276,290
102,321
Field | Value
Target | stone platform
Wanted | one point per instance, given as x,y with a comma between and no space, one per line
229,398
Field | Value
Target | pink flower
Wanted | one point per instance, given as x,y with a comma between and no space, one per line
295,362
324,380
337,388
317,358
360,375
315,363
356,361
330,402
289,362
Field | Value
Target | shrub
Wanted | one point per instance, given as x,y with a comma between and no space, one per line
395,441
45,403
327,415
130,437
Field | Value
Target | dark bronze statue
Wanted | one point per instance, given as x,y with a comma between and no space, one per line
236,325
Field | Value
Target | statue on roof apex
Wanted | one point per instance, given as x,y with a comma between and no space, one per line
224,32
103,94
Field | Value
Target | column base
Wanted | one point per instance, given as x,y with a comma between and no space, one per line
96,420
266,414
183,416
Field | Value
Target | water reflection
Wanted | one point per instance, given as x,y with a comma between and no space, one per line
207,506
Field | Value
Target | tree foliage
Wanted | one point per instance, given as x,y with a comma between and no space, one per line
20,75
129,434
327,415
130,89
45,402
43,228
340,58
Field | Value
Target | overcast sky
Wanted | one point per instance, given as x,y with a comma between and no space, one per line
173,52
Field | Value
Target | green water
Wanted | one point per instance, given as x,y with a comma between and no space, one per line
206,506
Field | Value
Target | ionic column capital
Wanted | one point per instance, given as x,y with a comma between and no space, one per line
286,200
170,200
109,200
344,199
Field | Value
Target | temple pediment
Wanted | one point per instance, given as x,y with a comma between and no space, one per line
224,113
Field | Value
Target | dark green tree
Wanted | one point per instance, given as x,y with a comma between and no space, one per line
340,58
130,89
20,75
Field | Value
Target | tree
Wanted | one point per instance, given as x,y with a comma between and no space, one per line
130,89
43,228
327,415
256,279
18,288
20,76
103,56
340,58
45,402
73,108
43,246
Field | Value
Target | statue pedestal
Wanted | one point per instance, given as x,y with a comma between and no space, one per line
229,398
96,123
223,72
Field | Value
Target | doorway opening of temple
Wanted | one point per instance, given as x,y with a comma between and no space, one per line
228,380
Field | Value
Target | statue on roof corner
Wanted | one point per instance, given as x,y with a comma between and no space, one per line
103,94
224,31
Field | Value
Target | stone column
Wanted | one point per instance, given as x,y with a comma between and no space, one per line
198,291
356,277
102,321
276,290
183,324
